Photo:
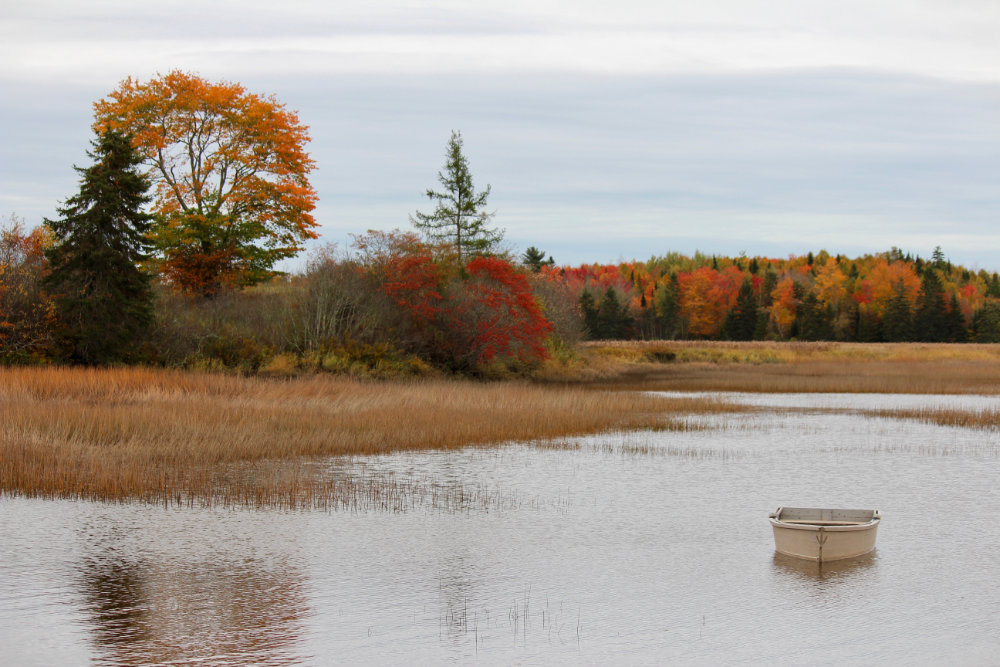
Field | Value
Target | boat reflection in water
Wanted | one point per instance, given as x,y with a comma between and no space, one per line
811,570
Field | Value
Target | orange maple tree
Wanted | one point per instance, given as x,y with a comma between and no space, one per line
230,171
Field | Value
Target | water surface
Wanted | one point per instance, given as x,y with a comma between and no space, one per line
633,548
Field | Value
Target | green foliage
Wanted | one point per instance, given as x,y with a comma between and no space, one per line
986,324
741,322
668,308
102,298
930,322
897,323
458,218
534,259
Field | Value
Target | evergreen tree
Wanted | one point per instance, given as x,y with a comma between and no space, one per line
103,300
937,258
814,320
767,288
741,322
668,308
459,218
930,320
897,322
993,289
534,259
588,310
613,320
986,323
954,327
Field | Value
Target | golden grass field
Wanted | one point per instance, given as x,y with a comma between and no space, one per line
173,436
791,367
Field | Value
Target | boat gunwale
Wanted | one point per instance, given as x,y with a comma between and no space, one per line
816,525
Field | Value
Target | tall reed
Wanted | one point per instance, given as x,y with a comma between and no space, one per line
160,435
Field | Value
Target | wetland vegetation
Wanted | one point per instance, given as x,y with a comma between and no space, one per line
172,436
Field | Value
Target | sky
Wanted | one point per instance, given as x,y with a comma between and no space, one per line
608,131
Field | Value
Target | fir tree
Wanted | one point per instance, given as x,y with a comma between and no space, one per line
103,299
459,218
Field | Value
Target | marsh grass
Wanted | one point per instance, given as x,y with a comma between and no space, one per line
986,420
184,437
785,367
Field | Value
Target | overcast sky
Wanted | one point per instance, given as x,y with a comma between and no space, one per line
608,130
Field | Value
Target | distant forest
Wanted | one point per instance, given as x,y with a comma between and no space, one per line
885,297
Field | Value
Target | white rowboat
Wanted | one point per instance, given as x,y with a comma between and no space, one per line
824,534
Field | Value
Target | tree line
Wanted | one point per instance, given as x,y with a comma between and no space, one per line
884,297
166,255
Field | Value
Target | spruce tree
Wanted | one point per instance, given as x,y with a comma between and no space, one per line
897,322
955,328
986,323
588,310
930,320
668,308
459,218
103,299
741,323
613,319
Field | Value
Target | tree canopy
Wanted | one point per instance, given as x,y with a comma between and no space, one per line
459,218
230,170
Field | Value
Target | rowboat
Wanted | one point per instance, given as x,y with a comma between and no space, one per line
824,534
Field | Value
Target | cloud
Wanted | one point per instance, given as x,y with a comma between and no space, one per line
604,129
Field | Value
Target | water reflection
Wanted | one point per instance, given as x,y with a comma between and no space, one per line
620,555
808,570
226,613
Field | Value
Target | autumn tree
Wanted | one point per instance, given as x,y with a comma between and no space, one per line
230,170
102,297
491,316
26,311
459,218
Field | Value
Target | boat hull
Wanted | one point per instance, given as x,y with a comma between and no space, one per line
824,535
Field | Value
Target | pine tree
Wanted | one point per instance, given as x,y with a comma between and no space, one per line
534,259
103,299
459,218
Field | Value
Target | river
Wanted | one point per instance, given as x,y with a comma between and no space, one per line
628,548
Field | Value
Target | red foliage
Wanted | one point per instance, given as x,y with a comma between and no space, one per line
412,282
493,316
